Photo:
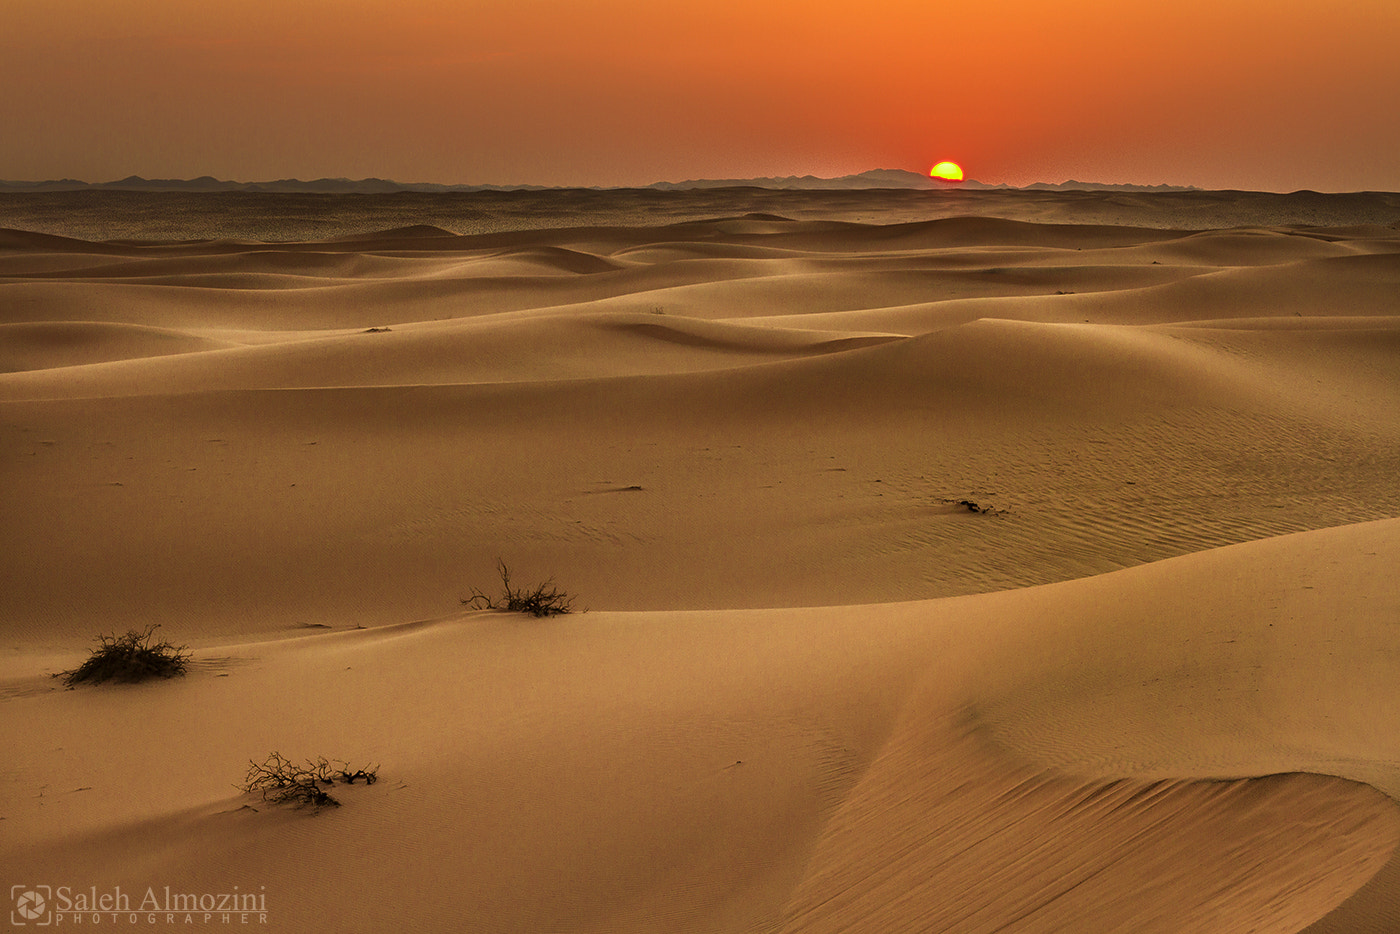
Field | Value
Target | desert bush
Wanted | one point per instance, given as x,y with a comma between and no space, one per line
133,657
279,780
544,600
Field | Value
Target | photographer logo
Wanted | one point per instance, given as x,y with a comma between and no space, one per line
57,905
31,904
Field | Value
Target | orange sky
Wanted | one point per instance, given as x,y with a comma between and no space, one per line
1267,94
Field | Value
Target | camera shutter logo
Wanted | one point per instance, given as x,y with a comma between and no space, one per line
31,904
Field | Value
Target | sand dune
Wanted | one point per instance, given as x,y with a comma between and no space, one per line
184,216
910,766
44,345
1146,683
537,349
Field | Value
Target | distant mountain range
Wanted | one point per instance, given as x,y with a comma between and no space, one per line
209,183
876,178
897,178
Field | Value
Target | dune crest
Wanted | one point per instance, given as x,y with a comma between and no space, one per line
942,835
1176,680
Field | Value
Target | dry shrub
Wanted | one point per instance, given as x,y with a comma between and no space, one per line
544,600
279,780
129,658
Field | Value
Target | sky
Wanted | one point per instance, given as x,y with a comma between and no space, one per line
1273,95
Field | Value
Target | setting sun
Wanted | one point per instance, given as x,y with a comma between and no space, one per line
947,172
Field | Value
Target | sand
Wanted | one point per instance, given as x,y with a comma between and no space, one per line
1149,684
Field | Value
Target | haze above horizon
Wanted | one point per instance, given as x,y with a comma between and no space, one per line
1269,96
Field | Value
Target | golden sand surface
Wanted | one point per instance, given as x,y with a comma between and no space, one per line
1026,564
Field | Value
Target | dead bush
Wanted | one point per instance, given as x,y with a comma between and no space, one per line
133,657
279,780
544,600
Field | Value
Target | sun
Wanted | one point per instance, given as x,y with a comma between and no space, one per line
946,172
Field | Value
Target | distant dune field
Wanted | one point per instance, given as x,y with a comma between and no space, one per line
952,561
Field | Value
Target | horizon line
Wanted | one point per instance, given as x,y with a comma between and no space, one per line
932,184
907,173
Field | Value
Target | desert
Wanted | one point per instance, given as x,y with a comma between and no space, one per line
943,560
